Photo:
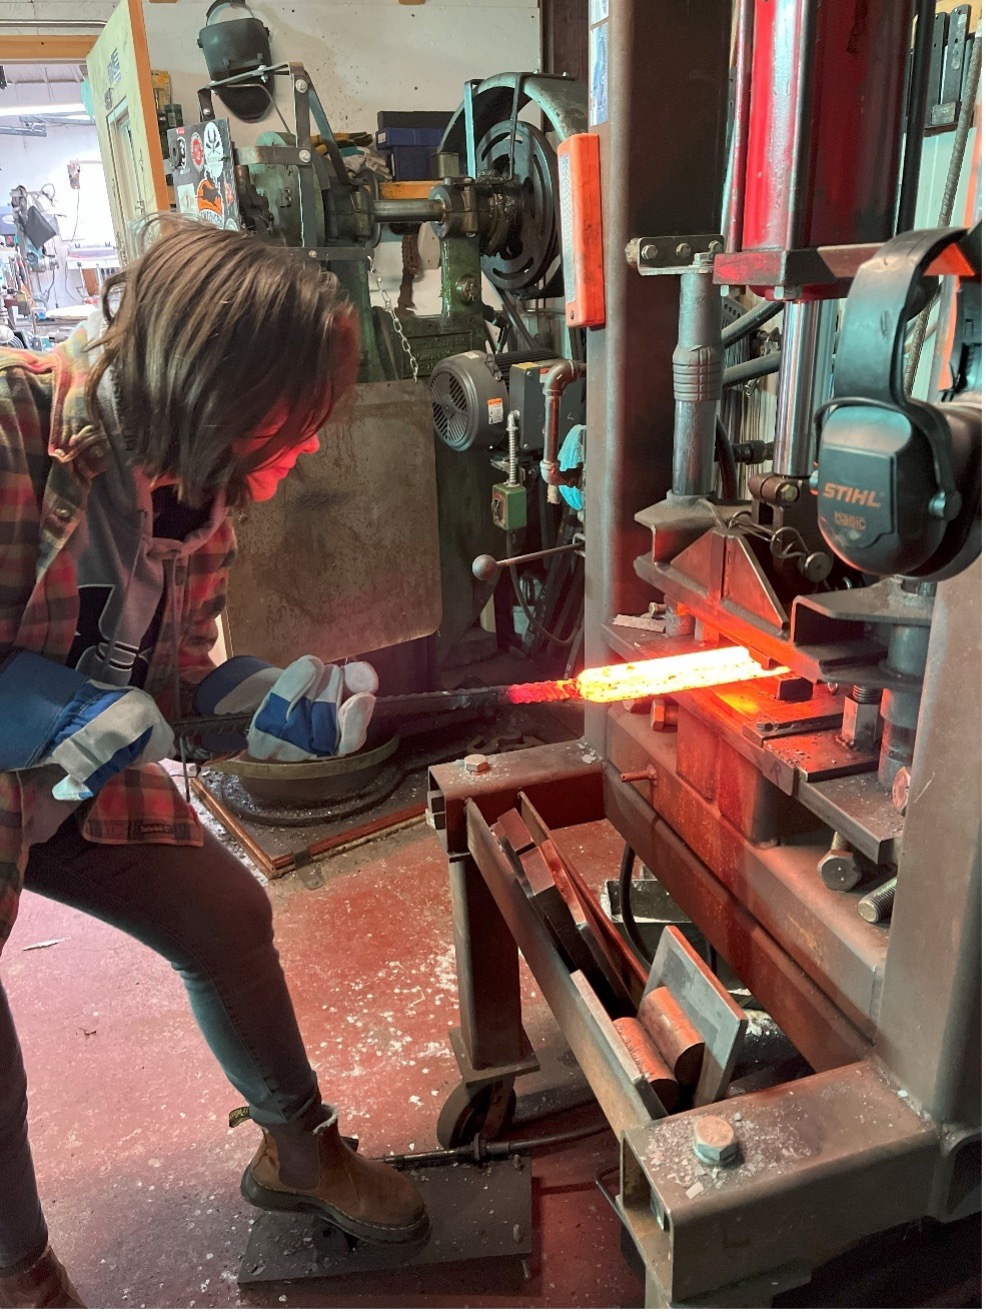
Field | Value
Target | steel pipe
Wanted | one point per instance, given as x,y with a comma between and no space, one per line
907,654
821,389
408,211
807,344
697,368
736,168
555,381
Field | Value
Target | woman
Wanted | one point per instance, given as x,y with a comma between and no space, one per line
214,365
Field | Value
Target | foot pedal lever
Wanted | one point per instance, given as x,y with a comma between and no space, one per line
477,1213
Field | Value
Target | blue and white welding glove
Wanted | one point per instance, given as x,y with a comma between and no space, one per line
314,710
53,716
235,688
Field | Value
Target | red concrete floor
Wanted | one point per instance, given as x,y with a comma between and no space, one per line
138,1171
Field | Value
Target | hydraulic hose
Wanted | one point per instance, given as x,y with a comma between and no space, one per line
753,319
759,367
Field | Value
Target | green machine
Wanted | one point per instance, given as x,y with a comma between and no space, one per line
495,211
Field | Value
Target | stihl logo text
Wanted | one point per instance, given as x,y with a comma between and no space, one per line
851,496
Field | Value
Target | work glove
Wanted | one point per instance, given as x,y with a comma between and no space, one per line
235,688
314,710
53,716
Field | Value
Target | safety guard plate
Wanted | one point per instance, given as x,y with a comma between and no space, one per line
476,1213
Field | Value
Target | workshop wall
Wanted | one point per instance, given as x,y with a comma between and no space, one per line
362,56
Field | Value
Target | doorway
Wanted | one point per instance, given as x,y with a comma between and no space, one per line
57,242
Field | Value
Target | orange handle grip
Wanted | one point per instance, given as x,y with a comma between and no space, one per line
581,204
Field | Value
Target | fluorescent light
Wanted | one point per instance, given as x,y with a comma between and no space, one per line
41,110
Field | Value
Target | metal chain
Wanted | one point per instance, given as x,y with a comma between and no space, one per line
388,305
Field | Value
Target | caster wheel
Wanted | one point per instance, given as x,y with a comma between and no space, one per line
482,1112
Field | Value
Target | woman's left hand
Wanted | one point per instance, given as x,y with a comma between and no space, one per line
314,710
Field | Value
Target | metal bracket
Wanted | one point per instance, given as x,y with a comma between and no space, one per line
670,255
709,1007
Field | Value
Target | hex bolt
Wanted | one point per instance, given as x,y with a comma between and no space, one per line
683,251
664,716
879,905
788,493
476,763
648,251
900,789
714,1141
716,248
840,868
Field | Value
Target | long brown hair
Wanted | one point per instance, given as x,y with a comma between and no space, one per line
211,335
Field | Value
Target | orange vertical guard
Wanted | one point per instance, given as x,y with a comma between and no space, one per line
581,204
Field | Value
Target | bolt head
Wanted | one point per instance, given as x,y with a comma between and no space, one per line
714,1141
901,788
301,85
664,715
788,493
683,251
305,156
716,248
817,566
476,763
839,869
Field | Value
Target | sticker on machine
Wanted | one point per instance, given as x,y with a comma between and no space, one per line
210,203
213,152
598,74
197,151
187,202
495,408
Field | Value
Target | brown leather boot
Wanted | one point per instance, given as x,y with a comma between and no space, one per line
44,1284
297,1169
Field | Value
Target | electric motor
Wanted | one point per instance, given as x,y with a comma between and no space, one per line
473,393
469,401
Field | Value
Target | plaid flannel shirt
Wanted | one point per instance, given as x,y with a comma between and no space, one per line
50,451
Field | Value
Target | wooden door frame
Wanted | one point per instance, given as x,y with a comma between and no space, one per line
45,48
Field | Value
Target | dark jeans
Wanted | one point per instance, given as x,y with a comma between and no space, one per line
202,910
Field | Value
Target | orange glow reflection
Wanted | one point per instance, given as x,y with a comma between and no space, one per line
651,679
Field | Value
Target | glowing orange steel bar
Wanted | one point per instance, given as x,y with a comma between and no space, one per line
648,679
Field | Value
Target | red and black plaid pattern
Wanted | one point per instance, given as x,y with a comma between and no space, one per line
49,453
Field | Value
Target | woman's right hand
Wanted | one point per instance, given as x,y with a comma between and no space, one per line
52,715
129,731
